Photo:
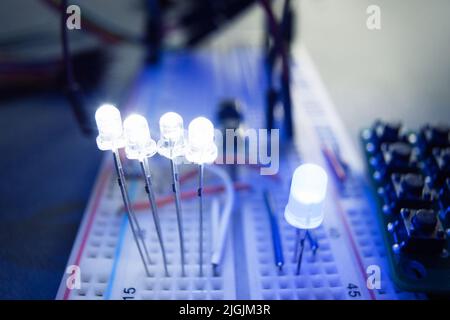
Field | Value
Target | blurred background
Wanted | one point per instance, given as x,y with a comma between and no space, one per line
48,166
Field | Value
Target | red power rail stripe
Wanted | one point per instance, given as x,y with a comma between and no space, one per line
352,242
101,186
334,163
93,212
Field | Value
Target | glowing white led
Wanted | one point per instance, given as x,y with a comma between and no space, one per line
171,143
171,126
139,143
109,124
304,209
201,148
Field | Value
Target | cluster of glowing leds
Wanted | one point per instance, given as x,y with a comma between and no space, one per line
201,147
139,143
110,131
304,209
135,136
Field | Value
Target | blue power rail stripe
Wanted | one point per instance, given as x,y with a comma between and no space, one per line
123,228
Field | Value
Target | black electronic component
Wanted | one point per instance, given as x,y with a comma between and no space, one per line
394,157
406,191
387,132
390,151
420,231
399,157
230,114
435,136
438,166
442,157
376,135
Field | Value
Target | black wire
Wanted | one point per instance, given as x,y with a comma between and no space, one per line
73,90
68,67
287,23
280,47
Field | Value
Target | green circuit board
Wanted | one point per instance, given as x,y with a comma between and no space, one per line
409,172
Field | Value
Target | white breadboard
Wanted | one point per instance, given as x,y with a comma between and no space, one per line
109,261
349,240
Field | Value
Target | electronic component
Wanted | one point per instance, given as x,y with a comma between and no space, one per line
304,209
394,157
419,231
432,137
230,114
139,143
386,132
437,166
111,137
409,170
109,124
141,146
201,149
406,191
171,143
172,146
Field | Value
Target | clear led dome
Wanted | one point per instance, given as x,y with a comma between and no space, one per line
109,124
201,147
171,143
304,209
139,143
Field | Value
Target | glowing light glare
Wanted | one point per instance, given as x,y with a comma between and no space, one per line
201,132
109,124
139,143
136,129
309,183
304,209
108,120
171,144
201,148
171,126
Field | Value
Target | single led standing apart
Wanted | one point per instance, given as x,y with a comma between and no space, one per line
110,137
172,145
304,209
139,145
201,150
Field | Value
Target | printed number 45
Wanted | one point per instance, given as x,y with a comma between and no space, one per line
353,290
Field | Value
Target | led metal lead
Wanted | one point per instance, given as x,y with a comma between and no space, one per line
201,150
304,209
141,146
109,124
172,146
